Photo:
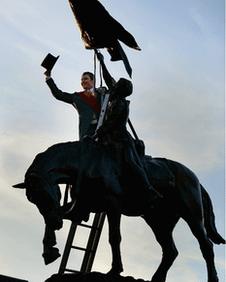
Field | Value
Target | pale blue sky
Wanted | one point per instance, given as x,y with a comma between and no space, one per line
177,108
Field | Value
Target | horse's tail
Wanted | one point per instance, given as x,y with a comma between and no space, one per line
209,219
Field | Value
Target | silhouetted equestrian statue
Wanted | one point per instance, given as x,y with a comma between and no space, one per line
109,172
183,197
100,30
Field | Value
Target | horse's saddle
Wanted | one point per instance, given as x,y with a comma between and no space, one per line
159,172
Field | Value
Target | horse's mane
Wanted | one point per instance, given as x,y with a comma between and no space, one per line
88,155
61,145
55,155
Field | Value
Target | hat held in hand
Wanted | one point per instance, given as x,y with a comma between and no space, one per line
49,62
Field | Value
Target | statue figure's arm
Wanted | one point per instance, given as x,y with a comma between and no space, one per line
58,94
109,80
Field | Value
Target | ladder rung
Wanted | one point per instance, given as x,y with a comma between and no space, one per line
85,225
81,249
71,270
89,226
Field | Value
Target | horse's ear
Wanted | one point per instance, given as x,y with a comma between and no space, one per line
19,185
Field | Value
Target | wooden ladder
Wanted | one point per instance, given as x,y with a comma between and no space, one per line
89,250
95,228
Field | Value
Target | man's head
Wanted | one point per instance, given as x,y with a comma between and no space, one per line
123,88
87,80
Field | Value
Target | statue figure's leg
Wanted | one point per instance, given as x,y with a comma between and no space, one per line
111,182
150,196
50,253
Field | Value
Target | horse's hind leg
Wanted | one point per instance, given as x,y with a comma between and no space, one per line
206,247
163,233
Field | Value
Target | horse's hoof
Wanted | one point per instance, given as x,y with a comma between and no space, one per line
51,255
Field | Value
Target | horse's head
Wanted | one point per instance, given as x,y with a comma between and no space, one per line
45,196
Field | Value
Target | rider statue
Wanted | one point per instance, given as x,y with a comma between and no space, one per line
114,133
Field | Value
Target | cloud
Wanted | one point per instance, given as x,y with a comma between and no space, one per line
181,118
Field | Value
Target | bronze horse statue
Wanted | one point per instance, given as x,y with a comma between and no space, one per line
183,197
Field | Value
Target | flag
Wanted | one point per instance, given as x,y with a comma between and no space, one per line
100,30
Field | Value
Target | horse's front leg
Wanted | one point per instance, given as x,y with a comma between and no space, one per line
50,253
114,217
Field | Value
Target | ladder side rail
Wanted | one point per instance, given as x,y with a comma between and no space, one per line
67,248
92,243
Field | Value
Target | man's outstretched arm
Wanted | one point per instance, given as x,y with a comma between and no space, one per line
57,93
